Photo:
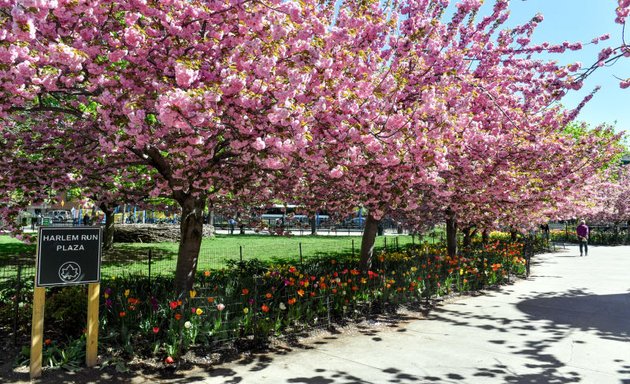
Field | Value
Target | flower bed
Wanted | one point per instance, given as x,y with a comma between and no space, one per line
253,301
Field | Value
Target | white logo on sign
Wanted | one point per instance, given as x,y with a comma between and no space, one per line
69,271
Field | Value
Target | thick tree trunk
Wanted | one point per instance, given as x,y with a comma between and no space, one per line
485,237
367,242
451,233
191,228
108,232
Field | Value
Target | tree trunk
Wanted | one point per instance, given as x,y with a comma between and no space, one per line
313,222
108,232
467,237
211,223
367,242
485,237
451,233
191,229
469,233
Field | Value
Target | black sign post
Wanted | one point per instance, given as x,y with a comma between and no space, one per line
68,255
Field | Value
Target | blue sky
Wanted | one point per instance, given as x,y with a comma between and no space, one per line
582,20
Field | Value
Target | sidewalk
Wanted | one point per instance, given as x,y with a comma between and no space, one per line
570,322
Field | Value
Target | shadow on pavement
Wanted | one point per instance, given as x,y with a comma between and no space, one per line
607,315
551,316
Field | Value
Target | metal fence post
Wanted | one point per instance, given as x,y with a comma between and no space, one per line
484,269
150,260
328,311
506,256
301,259
353,248
254,309
16,308
527,260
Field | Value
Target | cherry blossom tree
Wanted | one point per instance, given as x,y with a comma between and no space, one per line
209,95
610,55
27,164
456,118
391,107
607,200
509,156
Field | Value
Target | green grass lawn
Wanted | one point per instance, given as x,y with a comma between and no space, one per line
11,248
215,252
132,258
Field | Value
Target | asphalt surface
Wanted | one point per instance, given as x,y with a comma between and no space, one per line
568,323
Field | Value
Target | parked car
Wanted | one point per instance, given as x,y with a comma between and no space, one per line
355,222
61,216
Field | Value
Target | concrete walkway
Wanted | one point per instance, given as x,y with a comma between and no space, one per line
568,323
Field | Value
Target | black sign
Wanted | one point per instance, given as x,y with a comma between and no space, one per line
68,256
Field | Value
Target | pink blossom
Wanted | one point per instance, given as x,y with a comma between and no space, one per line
336,172
604,54
133,37
574,67
117,55
39,3
184,75
272,163
259,144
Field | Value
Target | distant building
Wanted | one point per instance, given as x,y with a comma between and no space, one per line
625,159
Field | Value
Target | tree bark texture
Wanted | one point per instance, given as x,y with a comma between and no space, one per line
313,222
451,233
108,232
191,228
367,242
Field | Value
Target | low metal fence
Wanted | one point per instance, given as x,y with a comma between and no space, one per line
264,296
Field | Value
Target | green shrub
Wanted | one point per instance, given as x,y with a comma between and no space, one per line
65,313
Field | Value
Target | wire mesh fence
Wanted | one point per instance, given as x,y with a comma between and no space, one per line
17,272
599,235
316,284
153,261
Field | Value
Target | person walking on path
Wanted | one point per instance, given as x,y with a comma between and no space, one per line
582,234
